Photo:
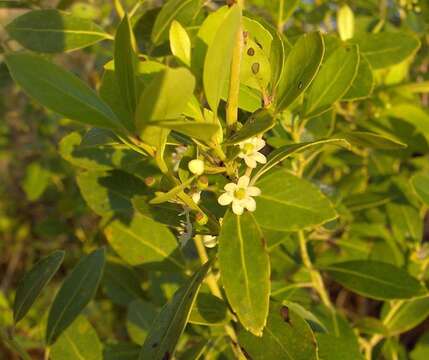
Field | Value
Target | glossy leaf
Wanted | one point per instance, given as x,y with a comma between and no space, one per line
286,336
375,279
140,240
245,270
333,81
125,59
180,43
387,48
165,333
75,293
79,341
257,124
219,56
288,203
363,83
420,183
33,283
302,65
69,97
53,31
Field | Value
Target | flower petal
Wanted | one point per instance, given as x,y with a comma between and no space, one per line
237,208
250,204
243,182
259,144
260,158
230,187
250,161
253,191
225,199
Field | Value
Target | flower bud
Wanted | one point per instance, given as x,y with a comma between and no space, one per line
201,218
196,166
203,182
150,181
209,241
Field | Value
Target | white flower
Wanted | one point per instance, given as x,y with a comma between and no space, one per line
196,166
209,241
196,196
250,151
240,195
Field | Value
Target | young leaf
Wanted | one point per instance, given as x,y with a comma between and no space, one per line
375,279
79,341
180,10
420,183
287,151
302,65
165,333
33,283
60,91
245,270
141,240
334,79
125,58
257,124
288,203
180,43
161,99
219,56
77,290
286,336
387,48
53,31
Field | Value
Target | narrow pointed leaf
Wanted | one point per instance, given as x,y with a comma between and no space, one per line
33,283
334,79
245,270
125,58
76,292
53,31
69,96
165,333
375,279
302,65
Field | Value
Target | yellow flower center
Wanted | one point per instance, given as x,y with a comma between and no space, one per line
248,148
240,193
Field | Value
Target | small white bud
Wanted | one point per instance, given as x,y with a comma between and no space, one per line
196,166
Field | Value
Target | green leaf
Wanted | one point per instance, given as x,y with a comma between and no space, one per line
375,279
194,129
286,336
77,290
140,317
53,31
257,124
60,91
165,333
289,203
36,181
105,193
125,59
140,240
180,10
302,65
121,351
387,48
371,140
180,43
121,283
161,99
420,183
171,194
208,310
79,341
406,223
245,270
33,283
219,56
284,152
333,80
363,83
409,314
